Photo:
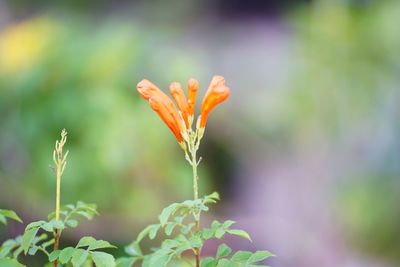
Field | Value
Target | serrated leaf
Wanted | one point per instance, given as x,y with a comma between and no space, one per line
102,259
259,256
72,223
27,238
66,254
223,251
240,233
10,214
79,257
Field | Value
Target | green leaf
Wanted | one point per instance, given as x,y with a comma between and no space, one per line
223,251
166,213
48,226
10,263
86,241
57,224
219,233
100,244
241,256
226,263
92,243
240,233
208,262
133,249
79,257
215,224
259,256
208,233
228,224
72,223
153,231
32,251
3,219
212,198
85,214
186,229
146,231
10,214
169,228
160,257
125,261
102,259
66,254
34,225
27,238
54,255
48,243
7,246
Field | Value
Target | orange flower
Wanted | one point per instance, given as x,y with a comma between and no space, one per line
179,120
217,93
180,99
163,106
193,86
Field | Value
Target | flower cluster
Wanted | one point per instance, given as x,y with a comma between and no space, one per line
180,119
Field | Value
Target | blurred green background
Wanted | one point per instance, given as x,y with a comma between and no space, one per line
305,154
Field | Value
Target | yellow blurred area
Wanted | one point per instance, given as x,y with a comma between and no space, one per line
22,44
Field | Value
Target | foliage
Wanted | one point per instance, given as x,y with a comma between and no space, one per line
176,222
43,235
4,214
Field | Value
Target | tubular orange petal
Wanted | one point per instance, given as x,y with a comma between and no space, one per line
158,104
193,86
216,93
147,89
180,99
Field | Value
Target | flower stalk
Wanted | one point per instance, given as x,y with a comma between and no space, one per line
60,161
179,121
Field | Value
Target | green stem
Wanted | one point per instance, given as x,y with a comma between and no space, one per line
196,196
57,232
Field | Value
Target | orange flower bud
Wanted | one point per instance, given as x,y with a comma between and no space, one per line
147,89
180,99
193,86
161,108
216,93
164,107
